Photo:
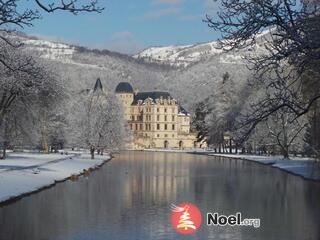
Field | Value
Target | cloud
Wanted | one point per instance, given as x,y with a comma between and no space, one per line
167,2
191,17
123,42
158,13
162,8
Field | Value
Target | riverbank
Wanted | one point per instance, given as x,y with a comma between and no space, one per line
307,168
24,173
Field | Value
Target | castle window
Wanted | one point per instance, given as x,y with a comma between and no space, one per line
158,117
165,118
165,127
158,110
166,135
141,126
136,126
173,127
158,135
165,110
130,126
158,126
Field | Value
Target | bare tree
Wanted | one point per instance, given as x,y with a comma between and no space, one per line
285,130
19,14
291,50
23,81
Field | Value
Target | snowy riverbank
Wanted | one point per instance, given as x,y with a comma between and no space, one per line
23,173
305,167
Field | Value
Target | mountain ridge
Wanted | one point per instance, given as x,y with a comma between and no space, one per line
199,79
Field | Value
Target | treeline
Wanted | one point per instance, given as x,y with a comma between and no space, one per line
280,113
39,108
221,118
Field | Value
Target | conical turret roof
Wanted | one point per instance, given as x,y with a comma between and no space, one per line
98,85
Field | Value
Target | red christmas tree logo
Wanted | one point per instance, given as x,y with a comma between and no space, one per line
185,218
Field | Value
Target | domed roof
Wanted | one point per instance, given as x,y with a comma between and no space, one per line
124,87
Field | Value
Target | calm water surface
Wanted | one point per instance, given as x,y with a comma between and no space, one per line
129,199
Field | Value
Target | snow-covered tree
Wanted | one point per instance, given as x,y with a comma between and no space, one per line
286,131
291,49
97,120
216,114
27,90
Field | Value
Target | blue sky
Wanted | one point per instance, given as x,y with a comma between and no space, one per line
130,26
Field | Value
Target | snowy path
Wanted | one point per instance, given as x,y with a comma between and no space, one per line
23,173
35,163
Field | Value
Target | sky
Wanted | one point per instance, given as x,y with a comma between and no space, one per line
129,26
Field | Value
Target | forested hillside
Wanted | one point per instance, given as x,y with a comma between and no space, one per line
80,67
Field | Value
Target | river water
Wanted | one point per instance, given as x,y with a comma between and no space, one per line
129,199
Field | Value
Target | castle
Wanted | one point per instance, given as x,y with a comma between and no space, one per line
156,119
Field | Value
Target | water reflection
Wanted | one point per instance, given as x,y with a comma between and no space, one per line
129,198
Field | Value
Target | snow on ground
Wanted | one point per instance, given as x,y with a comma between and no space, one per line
23,173
305,167
183,55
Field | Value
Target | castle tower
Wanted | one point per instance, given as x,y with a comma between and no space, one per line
125,94
98,86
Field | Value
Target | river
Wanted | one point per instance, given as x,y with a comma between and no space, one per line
129,199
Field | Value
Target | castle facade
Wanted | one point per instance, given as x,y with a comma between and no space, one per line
156,120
